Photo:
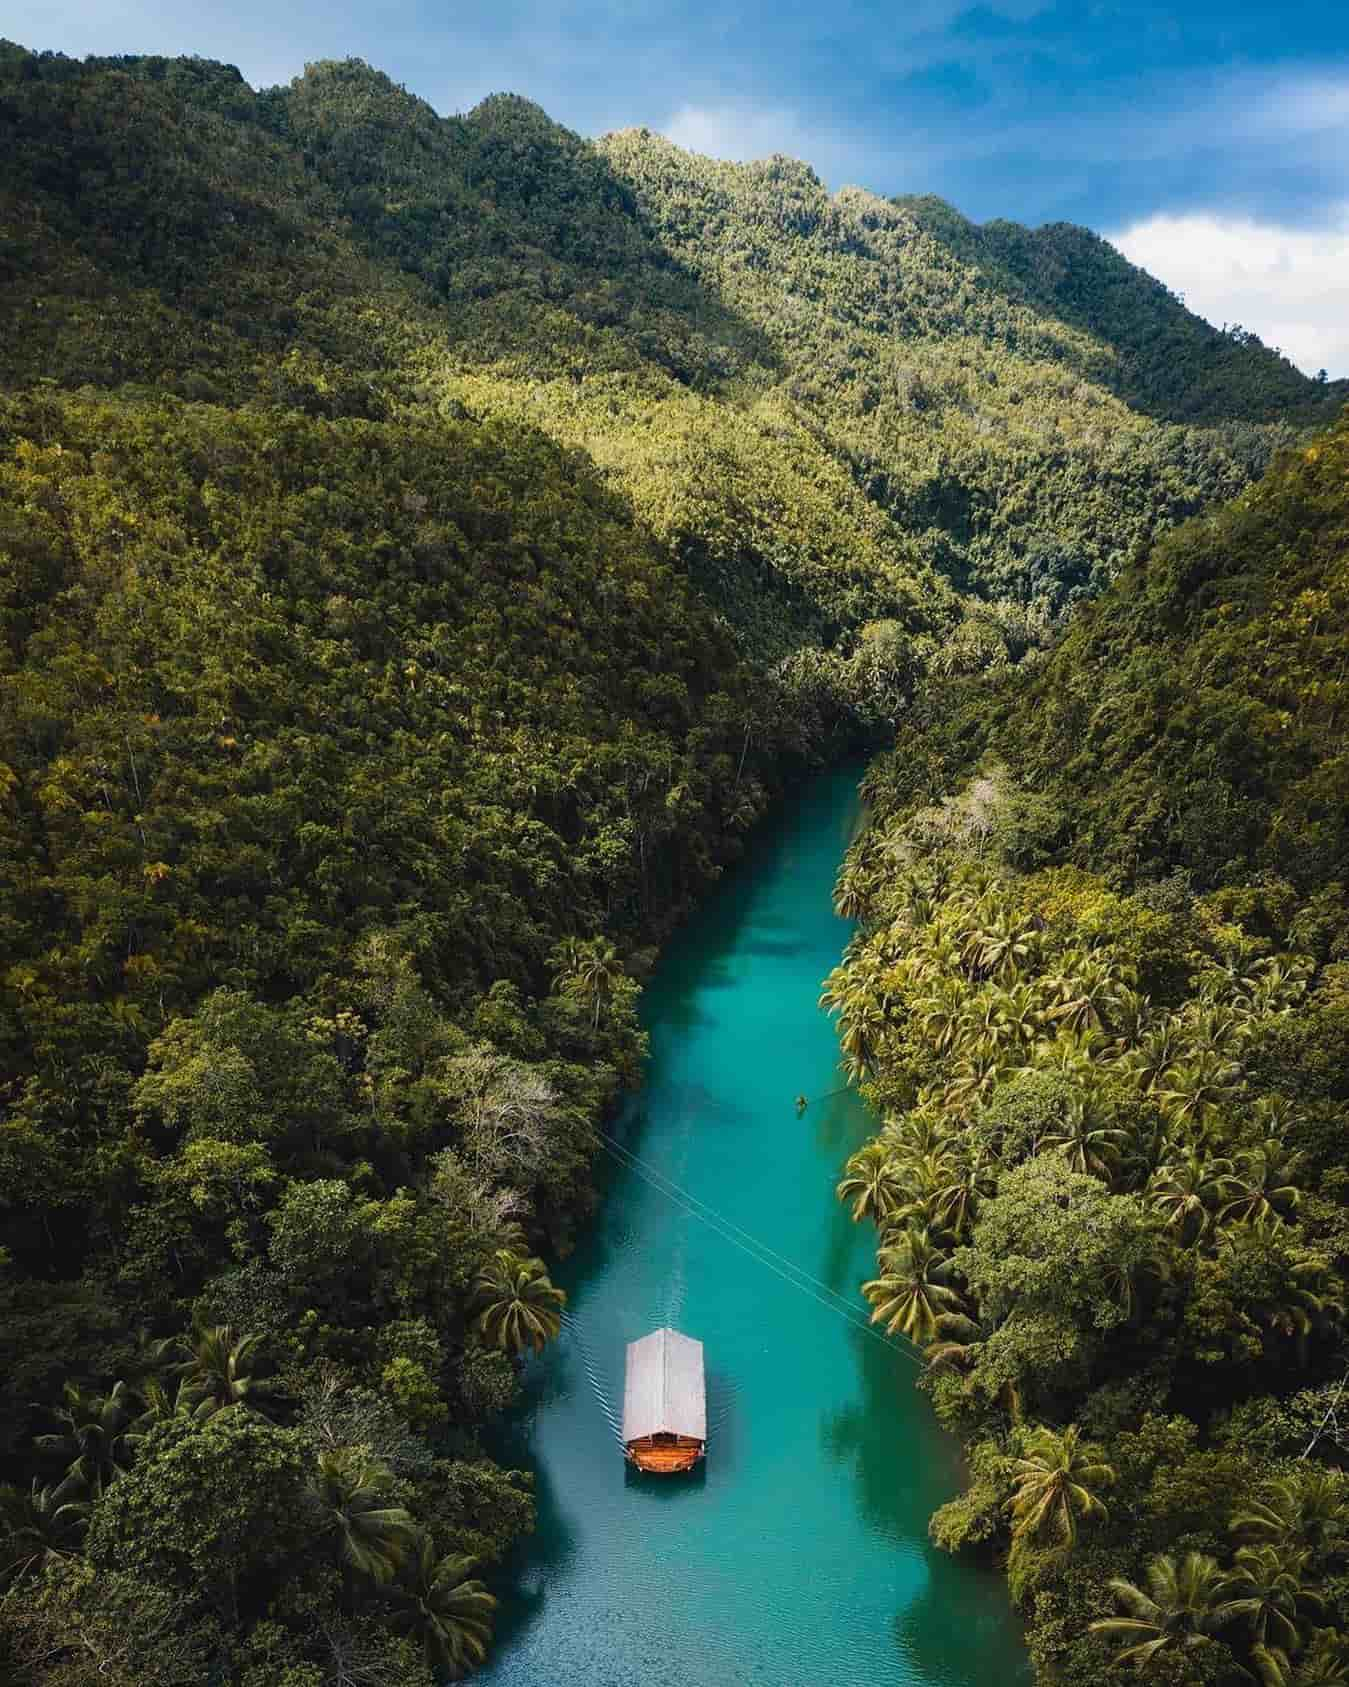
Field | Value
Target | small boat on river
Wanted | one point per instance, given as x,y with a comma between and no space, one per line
665,1403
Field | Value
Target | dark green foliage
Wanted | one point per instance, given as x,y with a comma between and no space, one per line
1100,987
425,545
1167,362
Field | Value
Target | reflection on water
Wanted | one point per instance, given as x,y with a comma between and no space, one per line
797,1555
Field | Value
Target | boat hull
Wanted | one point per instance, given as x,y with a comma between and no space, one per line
664,1460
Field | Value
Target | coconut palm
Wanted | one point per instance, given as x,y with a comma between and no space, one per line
974,1078
1261,1185
924,1130
1075,1054
40,1525
1159,1050
1309,1509
1184,1605
516,1304
940,1012
1056,1484
1197,1088
1267,1581
964,1179
439,1601
852,891
588,970
1325,1663
1298,1306
219,1370
872,1181
1001,949
350,1490
1214,1028
959,1345
1188,1193
1085,990
1090,1143
914,1287
1131,1018
1122,1280
92,1439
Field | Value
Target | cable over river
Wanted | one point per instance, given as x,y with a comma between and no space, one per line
797,1555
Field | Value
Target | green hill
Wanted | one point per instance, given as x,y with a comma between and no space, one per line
1168,362
1099,998
426,544
811,390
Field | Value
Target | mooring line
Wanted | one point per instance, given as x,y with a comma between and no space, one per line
785,1269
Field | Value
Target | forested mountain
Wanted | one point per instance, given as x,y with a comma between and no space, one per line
427,544
1168,363
1099,999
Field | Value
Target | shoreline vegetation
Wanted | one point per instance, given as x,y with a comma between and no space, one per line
1098,999
428,545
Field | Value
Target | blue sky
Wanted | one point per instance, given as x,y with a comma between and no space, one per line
1210,140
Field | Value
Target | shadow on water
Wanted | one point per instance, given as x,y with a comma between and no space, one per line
535,1563
957,1654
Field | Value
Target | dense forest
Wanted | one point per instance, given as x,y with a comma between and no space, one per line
427,544
1098,998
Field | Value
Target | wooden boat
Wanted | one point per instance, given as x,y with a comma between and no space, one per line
665,1403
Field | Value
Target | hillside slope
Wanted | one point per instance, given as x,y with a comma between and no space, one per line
425,545
1169,363
1099,998
807,390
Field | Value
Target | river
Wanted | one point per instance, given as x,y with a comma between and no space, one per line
798,1555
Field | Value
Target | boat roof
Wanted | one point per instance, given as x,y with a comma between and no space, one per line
664,1392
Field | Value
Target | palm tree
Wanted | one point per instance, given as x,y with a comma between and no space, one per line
1121,1279
1297,1308
965,1177
975,1077
852,892
1188,1192
1195,1089
1310,1509
1262,1185
350,1489
1090,1143
218,1373
1131,1019
1159,1050
1086,988
516,1304
588,970
1267,1581
960,1344
914,1287
1323,1664
92,1439
1184,1605
441,1601
941,1013
40,1525
1056,1482
872,1182
1001,949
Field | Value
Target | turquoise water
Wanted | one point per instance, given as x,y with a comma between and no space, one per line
798,1554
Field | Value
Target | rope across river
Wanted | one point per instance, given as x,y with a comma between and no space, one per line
759,1251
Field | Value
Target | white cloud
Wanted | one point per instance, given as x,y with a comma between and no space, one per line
737,132
1290,286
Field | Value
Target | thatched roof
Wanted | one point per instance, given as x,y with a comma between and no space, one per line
664,1392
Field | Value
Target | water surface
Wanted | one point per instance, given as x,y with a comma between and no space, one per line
798,1555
